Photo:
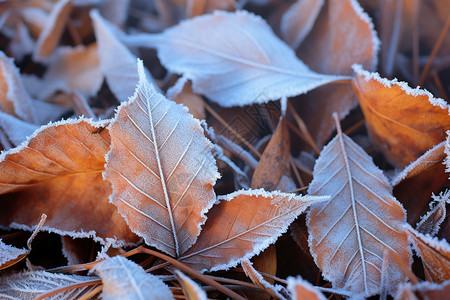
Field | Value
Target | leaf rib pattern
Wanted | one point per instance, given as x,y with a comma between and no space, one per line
349,233
161,169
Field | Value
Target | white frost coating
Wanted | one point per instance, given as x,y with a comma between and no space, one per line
191,285
117,63
258,279
29,285
422,288
428,159
24,144
349,233
165,192
233,58
447,153
301,289
291,206
431,222
8,253
16,94
438,102
16,130
123,278
375,41
74,234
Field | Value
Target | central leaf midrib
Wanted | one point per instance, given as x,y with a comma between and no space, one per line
162,178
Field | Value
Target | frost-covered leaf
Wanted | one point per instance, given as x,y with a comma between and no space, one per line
298,20
423,290
191,100
124,279
58,171
9,253
72,69
191,289
16,130
234,59
330,49
435,255
14,99
259,280
120,74
29,285
429,159
243,224
301,289
430,223
53,30
161,168
403,122
348,234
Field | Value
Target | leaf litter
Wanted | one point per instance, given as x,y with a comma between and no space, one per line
156,203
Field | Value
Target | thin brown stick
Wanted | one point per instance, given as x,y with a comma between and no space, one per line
300,189
67,288
434,52
405,268
440,87
92,293
302,126
192,272
74,33
296,173
354,127
230,129
235,282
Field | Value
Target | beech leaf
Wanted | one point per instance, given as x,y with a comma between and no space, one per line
234,59
259,280
243,224
348,233
161,168
123,278
423,290
435,255
403,122
29,285
9,253
58,171
431,222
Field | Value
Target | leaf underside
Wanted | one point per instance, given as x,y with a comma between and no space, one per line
349,233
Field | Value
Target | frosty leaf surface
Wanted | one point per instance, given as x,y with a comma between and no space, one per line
243,224
403,122
190,288
9,253
348,233
161,168
259,280
58,171
234,59
31,284
435,255
123,278
301,289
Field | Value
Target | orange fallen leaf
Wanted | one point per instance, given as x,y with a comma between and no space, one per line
403,122
301,289
190,288
243,224
58,171
435,255
330,48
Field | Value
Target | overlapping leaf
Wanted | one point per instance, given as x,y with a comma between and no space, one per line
349,233
301,289
243,224
29,285
234,59
435,255
190,288
403,122
161,168
9,253
123,278
58,171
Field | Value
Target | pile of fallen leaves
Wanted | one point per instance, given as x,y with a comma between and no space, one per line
196,149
